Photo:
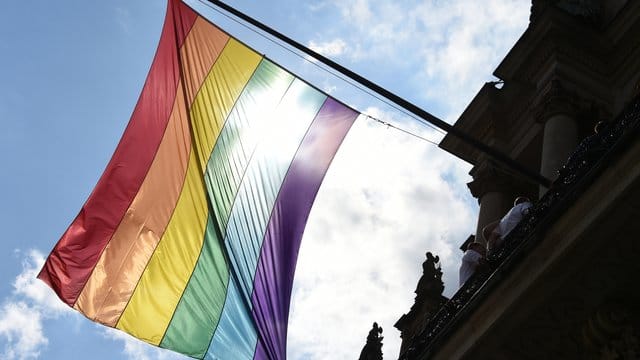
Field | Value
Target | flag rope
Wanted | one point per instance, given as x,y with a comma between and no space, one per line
400,129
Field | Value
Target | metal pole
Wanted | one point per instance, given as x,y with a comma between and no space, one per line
422,114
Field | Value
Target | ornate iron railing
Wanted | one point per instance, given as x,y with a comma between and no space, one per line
593,155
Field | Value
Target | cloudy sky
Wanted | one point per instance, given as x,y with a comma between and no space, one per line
71,73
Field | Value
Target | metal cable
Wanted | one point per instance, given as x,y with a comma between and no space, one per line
333,73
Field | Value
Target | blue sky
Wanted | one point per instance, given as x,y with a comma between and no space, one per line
72,71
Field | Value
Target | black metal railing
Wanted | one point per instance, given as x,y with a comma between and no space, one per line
593,155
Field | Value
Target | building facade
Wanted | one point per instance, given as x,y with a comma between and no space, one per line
563,286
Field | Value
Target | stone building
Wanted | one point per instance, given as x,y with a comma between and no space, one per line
564,286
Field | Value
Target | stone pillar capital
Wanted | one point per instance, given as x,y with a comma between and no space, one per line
555,99
489,177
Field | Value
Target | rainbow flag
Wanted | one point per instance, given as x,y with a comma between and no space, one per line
190,238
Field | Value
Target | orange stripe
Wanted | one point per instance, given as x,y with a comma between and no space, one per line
204,45
114,278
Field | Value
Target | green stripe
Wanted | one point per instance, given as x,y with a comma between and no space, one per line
199,309
198,312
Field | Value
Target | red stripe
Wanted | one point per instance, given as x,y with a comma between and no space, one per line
72,260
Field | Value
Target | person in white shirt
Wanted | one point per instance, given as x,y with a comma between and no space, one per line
472,259
495,232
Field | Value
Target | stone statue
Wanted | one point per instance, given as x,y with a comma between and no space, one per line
429,300
430,284
372,350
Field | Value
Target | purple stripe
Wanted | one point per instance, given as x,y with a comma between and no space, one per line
274,276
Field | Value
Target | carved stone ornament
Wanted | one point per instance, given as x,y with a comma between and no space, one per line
612,332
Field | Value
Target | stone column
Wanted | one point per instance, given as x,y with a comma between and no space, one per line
560,139
557,111
493,206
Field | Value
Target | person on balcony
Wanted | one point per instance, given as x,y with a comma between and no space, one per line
495,232
472,260
593,144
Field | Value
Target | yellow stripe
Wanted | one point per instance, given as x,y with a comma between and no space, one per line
152,305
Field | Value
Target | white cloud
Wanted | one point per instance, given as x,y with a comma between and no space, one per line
28,286
331,48
21,326
132,348
385,199
359,11
23,312
317,5
452,47
135,349
463,43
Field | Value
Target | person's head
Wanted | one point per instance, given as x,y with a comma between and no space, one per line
478,247
520,200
